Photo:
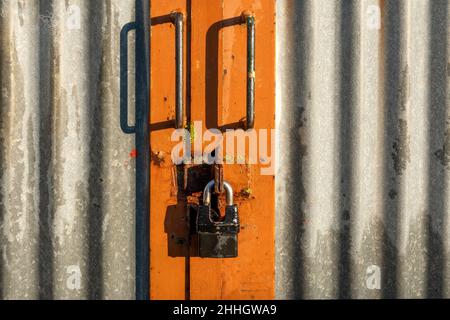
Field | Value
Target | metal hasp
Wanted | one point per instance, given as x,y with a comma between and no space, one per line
249,19
218,237
217,171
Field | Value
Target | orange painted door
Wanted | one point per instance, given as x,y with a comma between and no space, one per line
215,46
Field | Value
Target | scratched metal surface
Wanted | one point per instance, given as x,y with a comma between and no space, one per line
364,141
363,172
66,175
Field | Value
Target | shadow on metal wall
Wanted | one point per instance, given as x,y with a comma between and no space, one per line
391,72
96,207
46,108
297,149
439,148
348,38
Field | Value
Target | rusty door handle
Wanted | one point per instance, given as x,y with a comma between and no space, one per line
177,19
249,19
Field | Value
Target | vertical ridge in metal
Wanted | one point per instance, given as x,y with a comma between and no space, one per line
249,19
143,150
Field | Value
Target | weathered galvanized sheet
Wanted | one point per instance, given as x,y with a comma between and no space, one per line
67,178
362,181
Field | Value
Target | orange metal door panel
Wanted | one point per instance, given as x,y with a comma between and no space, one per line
216,71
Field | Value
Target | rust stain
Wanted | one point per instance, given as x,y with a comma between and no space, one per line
158,158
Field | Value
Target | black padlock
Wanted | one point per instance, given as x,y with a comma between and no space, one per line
218,237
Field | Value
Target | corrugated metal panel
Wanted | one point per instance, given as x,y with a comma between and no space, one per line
67,179
362,181
363,174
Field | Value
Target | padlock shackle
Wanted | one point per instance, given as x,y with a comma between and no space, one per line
207,193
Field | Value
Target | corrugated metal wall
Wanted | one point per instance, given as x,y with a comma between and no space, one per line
67,179
363,176
362,180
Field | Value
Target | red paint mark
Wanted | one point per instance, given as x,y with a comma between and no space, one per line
133,153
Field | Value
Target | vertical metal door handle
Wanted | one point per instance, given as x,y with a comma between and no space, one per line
124,78
178,21
179,61
249,19
177,18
